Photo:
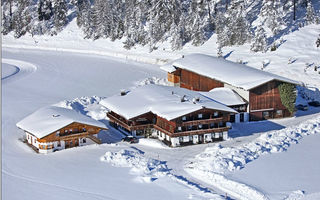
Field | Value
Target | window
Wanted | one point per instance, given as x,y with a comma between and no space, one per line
139,132
199,115
279,112
189,128
65,131
84,140
220,124
43,146
265,114
70,130
84,129
190,138
215,114
180,139
200,125
35,140
57,133
179,128
184,118
59,144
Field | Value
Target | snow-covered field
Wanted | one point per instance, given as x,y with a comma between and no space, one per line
276,159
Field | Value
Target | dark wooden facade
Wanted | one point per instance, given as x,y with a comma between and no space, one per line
193,81
198,122
265,102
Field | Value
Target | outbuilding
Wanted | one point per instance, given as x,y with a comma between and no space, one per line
55,128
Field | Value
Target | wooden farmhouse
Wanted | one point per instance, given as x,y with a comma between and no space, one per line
174,115
257,87
54,128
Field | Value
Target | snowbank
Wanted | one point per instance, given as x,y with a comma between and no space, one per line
217,160
86,105
147,169
154,143
152,80
220,159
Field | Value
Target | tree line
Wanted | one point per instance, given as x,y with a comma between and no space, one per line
150,22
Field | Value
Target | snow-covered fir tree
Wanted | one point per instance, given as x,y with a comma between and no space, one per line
154,21
259,42
60,14
310,14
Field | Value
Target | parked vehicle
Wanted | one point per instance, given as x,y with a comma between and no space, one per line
314,103
130,139
302,107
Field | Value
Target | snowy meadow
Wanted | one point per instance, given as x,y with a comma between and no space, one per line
274,159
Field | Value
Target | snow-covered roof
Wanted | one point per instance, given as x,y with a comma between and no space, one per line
50,119
235,74
225,96
164,101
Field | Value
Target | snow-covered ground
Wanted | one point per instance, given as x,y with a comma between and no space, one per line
260,161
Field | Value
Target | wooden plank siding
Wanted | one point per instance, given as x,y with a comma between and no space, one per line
266,98
77,132
193,81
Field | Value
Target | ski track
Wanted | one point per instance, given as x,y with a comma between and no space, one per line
22,69
68,189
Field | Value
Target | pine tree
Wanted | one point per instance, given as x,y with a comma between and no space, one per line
7,16
260,40
60,14
21,18
272,13
318,42
310,14
83,12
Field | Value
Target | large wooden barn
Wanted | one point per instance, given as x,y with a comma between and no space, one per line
174,115
259,88
54,128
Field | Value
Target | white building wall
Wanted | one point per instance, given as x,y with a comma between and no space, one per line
225,135
195,139
207,137
246,117
186,138
237,118
175,142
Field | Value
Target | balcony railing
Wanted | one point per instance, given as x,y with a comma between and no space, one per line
74,134
202,121
201,131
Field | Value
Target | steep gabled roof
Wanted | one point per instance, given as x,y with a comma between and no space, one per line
163,101
225,96
234,74
50,119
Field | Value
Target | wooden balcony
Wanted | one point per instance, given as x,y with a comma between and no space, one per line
67,136
201,131
126,126
202,121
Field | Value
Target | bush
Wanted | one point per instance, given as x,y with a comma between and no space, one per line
288,96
